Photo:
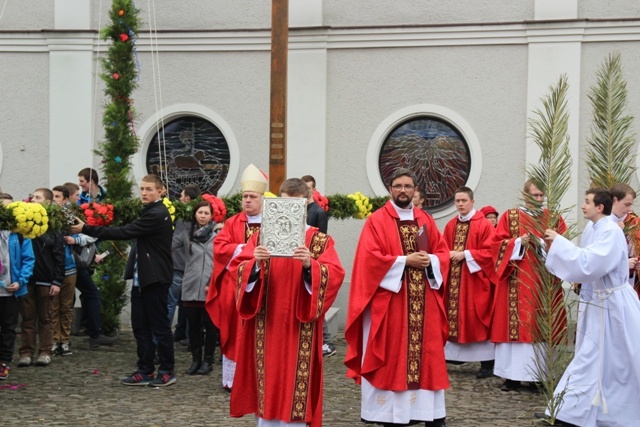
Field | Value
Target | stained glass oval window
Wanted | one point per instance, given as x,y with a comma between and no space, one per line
193,151
435,151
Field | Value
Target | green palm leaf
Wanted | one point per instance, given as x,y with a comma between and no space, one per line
611,143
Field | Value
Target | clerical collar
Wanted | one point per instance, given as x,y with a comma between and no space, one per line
255,219
467,217
617,219
404,214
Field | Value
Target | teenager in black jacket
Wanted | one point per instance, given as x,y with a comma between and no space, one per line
151,269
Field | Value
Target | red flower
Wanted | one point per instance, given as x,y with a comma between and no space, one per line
218,207
124,37
97,214
322,201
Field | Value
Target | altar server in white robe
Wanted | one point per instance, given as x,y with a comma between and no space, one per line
602,382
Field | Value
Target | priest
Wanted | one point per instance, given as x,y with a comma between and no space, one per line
396,323
282,302
518,249
221,296
469,289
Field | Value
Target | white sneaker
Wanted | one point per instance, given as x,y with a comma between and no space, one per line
43,360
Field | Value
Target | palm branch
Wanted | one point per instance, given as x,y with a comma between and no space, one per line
548,130
610,143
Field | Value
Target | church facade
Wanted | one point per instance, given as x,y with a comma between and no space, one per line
372,84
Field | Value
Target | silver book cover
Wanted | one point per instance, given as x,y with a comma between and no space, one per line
284,221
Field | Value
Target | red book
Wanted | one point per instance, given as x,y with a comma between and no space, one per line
422,240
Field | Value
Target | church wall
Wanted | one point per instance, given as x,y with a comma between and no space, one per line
24,122
485,85
424,12
235,85
598,9
30,15
199,14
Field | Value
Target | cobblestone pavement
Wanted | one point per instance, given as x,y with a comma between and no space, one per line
84,390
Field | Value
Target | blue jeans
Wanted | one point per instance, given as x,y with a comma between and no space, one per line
175,292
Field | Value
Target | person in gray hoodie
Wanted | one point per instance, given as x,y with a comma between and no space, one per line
197,246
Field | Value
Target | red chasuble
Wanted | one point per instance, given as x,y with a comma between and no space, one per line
405,349
632,233
279,366
221,298
515,301
469,296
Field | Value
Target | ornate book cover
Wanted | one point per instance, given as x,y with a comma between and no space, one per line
284,221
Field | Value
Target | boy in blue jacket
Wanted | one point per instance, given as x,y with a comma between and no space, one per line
17,260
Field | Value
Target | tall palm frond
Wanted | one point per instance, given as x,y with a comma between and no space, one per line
552,175
611,142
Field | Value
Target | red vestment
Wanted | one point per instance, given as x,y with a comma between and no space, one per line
516,299
632,233
469,295
221,298
279,366
390,362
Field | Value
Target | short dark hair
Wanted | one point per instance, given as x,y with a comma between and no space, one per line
72,187
89,174
155,179
6,196
466,190
602,196
192,191
309,178
402,172
620,191
295,187
46,193
63,189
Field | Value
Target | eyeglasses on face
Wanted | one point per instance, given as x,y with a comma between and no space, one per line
398,187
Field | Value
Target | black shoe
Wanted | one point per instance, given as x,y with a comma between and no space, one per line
206,368
484,373
455,362
101,340
534,387
510,385
193,369
543,416
439,422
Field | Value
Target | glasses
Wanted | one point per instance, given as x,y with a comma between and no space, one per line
399,187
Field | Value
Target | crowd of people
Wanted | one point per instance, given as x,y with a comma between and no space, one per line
419,299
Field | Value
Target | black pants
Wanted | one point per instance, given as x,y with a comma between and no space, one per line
9,310
90,300
199,318
149,319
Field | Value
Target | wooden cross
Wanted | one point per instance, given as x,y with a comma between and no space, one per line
278,128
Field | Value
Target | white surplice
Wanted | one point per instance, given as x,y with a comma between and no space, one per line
602,382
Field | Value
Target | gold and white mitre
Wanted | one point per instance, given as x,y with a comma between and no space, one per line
253,179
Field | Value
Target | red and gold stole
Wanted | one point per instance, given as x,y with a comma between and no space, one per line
416,288
455,275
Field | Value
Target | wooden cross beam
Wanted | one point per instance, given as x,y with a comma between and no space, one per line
278,120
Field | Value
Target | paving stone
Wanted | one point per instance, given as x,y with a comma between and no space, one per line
84,390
